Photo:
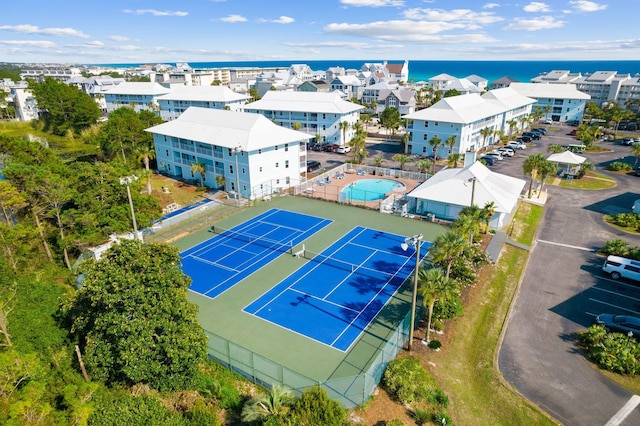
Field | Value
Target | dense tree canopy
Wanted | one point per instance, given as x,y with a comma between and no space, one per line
65,107
133,321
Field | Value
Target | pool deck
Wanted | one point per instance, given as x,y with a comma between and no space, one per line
331,191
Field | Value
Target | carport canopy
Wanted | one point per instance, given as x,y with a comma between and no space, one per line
566,157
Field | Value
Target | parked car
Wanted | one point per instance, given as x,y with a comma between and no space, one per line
627,141
505,151
313,165
573,132
540,130
620,323
533,135
343,149
330,147
524,139
494,154
548,121
489,159
516,145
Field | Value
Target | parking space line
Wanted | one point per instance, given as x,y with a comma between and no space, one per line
565,245
612,305
626,409
616,293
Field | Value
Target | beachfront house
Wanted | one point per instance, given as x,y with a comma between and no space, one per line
564,102
141,96
182,97
311,112
464,118
241,152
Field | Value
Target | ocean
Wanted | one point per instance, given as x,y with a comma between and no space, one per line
522,71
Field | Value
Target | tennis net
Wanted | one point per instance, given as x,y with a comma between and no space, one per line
349,267
284,247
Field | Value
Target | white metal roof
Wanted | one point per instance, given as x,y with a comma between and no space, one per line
542,90
203,93
508,98
455,186
138,88
464,109
229,129
566,157
314,102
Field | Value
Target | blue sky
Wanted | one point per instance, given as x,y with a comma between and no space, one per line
150,31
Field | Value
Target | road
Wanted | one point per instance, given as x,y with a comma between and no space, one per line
562,290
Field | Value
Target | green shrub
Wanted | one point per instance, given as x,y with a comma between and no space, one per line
421,416
124,409
627,220
316,408
408,380
616,352
447,309
395,422
617,166
442,419
615,247
440,398
435,344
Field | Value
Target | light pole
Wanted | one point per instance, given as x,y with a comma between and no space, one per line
473,188
127,180
413,242
238,194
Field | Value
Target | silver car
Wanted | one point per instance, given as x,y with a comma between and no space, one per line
620,324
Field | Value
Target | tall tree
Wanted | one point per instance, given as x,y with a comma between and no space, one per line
343,126
485,133
435,143
531,167
132,320
199,169
390,119
446,248
433,285
402,159
451,142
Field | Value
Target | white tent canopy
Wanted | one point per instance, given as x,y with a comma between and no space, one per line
566,157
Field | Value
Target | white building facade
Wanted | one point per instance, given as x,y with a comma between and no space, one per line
464,117
559,102
182,97
316,113
140,96
245,152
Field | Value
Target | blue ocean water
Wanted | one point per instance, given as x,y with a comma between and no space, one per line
522,71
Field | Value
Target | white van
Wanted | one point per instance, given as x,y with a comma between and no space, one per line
622,267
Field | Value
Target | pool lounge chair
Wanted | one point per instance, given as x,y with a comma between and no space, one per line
361,172
320,183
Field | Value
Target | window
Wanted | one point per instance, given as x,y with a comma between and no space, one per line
426,124
288,180
166,152
276,147
277,164
424,149
231,168
424,137
259,151
260,168
243,172
286,146
286,164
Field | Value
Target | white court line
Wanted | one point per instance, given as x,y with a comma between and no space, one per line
622,414
565,245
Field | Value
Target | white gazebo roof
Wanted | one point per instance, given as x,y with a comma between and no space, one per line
566,157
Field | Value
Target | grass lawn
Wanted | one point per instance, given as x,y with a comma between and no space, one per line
591,180
525,224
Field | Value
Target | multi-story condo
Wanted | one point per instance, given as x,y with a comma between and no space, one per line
182,97
315,113
139,95
601,86
464,117
242,152
350,85
25,103
558,102
61,74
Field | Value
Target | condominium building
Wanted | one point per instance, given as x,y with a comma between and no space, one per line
558,102
138,95
315,113
182,97
241,152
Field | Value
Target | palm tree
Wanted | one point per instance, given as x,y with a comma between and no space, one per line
555,148
635,150
406,137
220,181
485,133
451,142
146,153
489,210
424,165
453,159
296,126
468,222
547,110
198,168
379,160
447,248
433,285
435,142
275,404
344,126
357,144
402,159
512,125
531,167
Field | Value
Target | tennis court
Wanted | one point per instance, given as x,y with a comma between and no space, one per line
217,264
334,295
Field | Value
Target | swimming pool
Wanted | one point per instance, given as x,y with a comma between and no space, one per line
369,189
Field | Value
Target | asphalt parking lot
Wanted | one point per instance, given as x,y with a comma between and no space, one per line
562,291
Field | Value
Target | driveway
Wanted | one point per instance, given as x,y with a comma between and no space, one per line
561,291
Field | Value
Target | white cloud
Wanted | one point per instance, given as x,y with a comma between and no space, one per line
409,31
280,20
232,19
490,6
534,24
587,6
118,38
29,43
155,12
463,16
33,29
373,3
537,7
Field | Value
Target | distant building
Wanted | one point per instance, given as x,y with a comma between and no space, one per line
246,151
319,86
316,113
350,85
564,102
180,98
502,82
404,100
25,104
60,74
139,95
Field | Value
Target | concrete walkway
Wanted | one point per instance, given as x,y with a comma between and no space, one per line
497,241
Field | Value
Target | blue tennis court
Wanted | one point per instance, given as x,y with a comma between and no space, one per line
334,296
220,262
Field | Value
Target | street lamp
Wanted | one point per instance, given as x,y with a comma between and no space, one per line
413,242
238,194
473,188
127,180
